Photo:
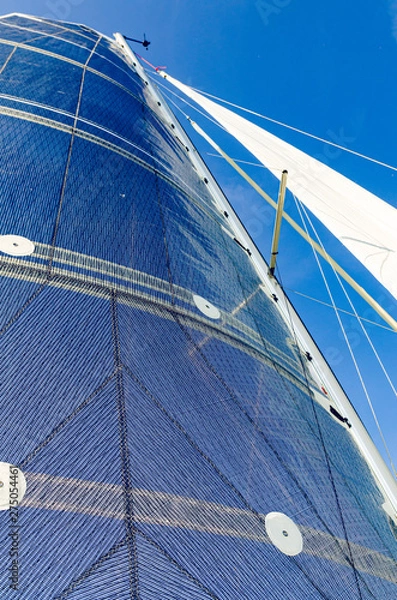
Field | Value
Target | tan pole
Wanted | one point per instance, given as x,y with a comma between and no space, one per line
277,224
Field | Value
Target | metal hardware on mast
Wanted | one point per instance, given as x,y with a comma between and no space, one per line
277,224
387,482
144,43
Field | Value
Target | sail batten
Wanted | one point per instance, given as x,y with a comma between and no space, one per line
364,223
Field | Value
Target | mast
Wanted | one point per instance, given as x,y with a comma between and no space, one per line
319,369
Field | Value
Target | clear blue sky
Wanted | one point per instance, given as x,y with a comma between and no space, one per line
324,67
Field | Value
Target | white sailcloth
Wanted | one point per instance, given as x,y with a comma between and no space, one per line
364,223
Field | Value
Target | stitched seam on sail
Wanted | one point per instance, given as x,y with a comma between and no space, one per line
129,516
65,422
88,572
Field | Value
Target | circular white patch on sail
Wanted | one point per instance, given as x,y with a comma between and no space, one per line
208,309
16,245
12,486
283,533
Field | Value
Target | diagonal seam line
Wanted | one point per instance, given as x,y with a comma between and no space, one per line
20,312
225,479
231,331
316,431
66,421
98,563
176,564
8,59
190,440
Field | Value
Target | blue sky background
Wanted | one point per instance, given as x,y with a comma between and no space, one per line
327,68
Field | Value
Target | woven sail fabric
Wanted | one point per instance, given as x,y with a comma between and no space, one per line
364,223
150,391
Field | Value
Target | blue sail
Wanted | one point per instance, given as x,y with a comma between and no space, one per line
152,394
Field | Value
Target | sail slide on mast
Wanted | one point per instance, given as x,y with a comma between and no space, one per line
163,435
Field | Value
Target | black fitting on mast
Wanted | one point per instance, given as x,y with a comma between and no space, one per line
145,43
337,414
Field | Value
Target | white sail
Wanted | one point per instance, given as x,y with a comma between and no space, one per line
364,223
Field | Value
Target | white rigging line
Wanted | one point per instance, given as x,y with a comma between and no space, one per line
186,102
307,134
301,210
252,112
341,310
170,100
360,320
237,160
